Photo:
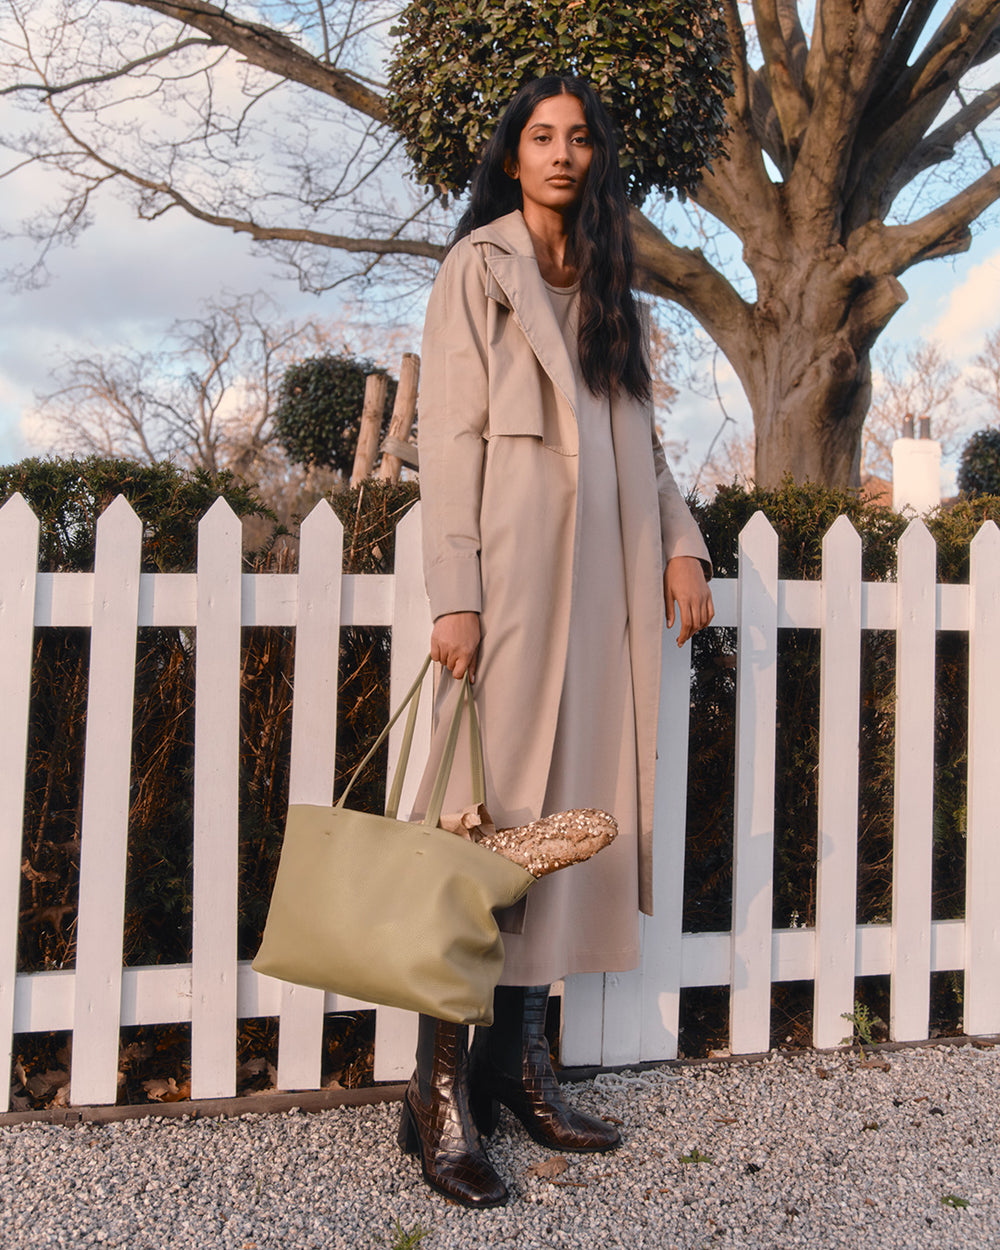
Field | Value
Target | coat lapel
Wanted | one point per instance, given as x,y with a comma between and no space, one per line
510,260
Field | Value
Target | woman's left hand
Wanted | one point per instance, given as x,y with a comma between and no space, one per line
685,588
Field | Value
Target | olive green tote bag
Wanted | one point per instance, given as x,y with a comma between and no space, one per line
389,911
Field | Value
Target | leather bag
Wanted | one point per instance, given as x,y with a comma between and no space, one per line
389,911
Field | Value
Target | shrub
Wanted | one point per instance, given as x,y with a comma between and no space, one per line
318,416
979,467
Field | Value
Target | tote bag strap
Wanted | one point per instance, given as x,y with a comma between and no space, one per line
436,802
412,701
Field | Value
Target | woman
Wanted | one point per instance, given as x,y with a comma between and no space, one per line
553,535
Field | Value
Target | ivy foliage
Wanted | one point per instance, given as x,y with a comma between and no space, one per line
318,416
660,68
979,468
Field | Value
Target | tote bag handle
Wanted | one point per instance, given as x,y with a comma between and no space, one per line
412,701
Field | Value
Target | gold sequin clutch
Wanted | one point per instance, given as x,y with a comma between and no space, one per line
553,842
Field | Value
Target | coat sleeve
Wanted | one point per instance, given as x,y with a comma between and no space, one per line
454,406
678,531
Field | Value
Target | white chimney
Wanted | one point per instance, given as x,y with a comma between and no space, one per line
916,469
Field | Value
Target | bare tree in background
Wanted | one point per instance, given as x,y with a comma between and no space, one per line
204,399
855,152
924,383
984,379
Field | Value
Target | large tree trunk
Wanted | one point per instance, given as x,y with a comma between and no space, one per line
801,352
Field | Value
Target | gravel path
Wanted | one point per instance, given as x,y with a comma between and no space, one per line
804,1150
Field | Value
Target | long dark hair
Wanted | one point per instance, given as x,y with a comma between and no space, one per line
600,237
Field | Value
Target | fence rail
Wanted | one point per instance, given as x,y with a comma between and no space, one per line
612,1019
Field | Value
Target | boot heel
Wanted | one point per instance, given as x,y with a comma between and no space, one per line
407,1136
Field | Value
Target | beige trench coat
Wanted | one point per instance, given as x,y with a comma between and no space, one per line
498,479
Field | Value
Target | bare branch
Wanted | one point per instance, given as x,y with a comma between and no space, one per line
269,50
783,83
943,232
47,90
685,276
940,144
260,233
919,92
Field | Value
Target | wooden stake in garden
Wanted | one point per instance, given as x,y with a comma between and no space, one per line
404,410
371,425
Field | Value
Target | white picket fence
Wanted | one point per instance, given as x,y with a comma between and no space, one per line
612,1019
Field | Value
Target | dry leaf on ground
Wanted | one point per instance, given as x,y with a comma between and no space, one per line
167,1091
548,1169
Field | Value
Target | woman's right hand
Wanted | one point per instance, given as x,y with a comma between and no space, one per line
455,643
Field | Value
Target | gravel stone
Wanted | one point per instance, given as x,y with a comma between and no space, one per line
795,1150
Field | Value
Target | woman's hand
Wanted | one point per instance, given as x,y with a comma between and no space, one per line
684,585
455,643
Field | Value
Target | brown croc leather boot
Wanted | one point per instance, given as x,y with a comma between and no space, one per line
436,1123
509,1064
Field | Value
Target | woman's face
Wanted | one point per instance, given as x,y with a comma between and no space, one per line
553,154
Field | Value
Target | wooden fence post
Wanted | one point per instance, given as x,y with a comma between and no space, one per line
982,890
404,410
19,543
376,385
216,804
395,1029
313,754
104,817
837,836
753,851
913,810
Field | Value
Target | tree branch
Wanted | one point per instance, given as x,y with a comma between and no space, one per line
392,245
748,121
48,90
848,44
684,275
940,144
269,50
943,232
789,102
919,92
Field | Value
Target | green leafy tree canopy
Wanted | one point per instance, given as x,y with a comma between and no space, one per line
318,415
979,468
660,69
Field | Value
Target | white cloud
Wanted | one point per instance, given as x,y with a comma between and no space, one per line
972,309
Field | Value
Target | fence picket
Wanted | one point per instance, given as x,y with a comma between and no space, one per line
216,800
105,807
837,842
982,919
661,932
18,538
313,750
913,813
395,1030
582,1021
753,855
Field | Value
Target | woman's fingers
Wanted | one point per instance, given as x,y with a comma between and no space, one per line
455,643
684,585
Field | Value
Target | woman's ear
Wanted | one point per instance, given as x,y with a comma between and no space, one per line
510,168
